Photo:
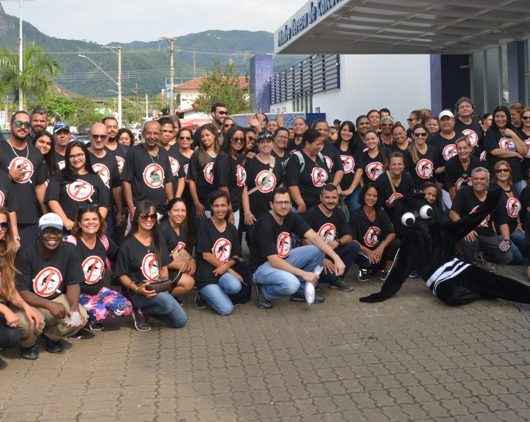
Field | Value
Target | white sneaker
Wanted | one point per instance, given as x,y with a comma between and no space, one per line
309,293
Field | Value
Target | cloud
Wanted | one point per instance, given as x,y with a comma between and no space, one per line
104,21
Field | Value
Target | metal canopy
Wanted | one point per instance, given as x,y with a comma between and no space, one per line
404,26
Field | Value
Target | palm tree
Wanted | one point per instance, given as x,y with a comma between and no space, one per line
37,76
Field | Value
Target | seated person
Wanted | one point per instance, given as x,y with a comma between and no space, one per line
331,225
374,232
48,278
433,196
484,240
95,250
142,260
281,269
458,168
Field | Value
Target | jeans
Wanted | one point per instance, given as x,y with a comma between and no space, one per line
348,253
354,200
163,306
9,337
489,247
519,186
278,283
518,239
216,295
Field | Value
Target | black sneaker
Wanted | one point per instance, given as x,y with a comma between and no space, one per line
261,301
341,285
95,326
140,323
30,353
300,298
363,274
200,303
84,333
53,346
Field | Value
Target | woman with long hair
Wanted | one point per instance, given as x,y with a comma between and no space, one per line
97,251
77,185
21,327
201,175
423,157
142,260
401,143
44,143
346,147
125,137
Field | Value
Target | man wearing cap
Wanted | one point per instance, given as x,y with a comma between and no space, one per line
61,138
48,277
28,172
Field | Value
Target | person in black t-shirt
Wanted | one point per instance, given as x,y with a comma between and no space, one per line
96,251
401,143
307,172
167,136
330,223
371,160
423,157
77,185
279,147
143,259
299,128
347,153
495,246
61,139
458,169
44,143
468,126
281,269
330,153
48,277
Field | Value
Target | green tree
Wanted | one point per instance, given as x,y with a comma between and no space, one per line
223,85
37,77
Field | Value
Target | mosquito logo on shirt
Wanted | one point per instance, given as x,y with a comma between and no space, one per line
120,161
513,207
328,232
175,166
348,163
449,151
241,176
186,168
47,282
178,248
93,268
103,172
221,249
424,168
149,267
2,199
393,198
319,177
207,171
283,244
472,136
265,181
483,223
154,176
80,190
507,144
374,170
371,237
25,166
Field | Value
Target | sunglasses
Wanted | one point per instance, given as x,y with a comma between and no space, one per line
4,225
229,125
526,117
19,124
222,113
148,216
422,134
100,136
185,138
502,171
238,140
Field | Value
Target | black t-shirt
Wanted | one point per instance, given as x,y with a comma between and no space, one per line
223,245
387,197
60,162
466,202
328,228
349,167
8,197
262,180
175,242
525,209
203,175
409,165
141,262
332,158
107,169
148,175
72,194
455,175
48,277
271,238
371,233
32,161
494,140
283,159
175,157
372,167
310,176
511,208
446,147
120,153
230,172
474,133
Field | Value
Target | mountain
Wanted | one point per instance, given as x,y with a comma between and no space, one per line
145,64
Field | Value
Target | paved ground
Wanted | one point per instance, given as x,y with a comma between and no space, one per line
408,359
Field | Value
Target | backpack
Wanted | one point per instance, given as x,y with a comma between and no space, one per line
301,161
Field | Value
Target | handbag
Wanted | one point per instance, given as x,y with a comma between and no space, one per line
163,285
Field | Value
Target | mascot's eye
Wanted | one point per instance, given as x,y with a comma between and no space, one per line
426,212
408,219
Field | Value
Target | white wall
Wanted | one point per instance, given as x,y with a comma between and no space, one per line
285,107
399,82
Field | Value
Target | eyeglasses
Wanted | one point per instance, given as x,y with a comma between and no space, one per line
238,140
526,117
185,138
502,171
19,124
4,225
148,216
229,125
100,136
422,134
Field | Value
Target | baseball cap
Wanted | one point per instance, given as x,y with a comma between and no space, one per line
446,113
50,221
60,126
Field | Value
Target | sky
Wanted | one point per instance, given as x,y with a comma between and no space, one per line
104,21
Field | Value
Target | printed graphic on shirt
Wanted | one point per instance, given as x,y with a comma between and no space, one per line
80,190
93,268
513,207
149,267
371,237
186,168
175,165
462,181
283,244
329,162
47,282
208,172
265,181
449,151
348,163
374,169
319,177
221,249
328,232
61,164
424,168
154,176
486,221
507,144
120,161
394,197
241,176
472,136
178,248
25,165
103,172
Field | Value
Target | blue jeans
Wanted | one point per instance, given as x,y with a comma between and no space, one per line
163,306
519,186
354,200
278,283
518,239
216,295
348,253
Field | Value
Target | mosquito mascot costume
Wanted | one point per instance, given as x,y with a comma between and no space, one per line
428,247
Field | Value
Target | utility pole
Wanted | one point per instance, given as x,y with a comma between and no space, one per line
172,76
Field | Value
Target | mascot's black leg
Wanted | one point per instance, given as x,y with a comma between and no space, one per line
475,283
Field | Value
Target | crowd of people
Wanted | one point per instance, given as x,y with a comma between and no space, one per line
121,227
